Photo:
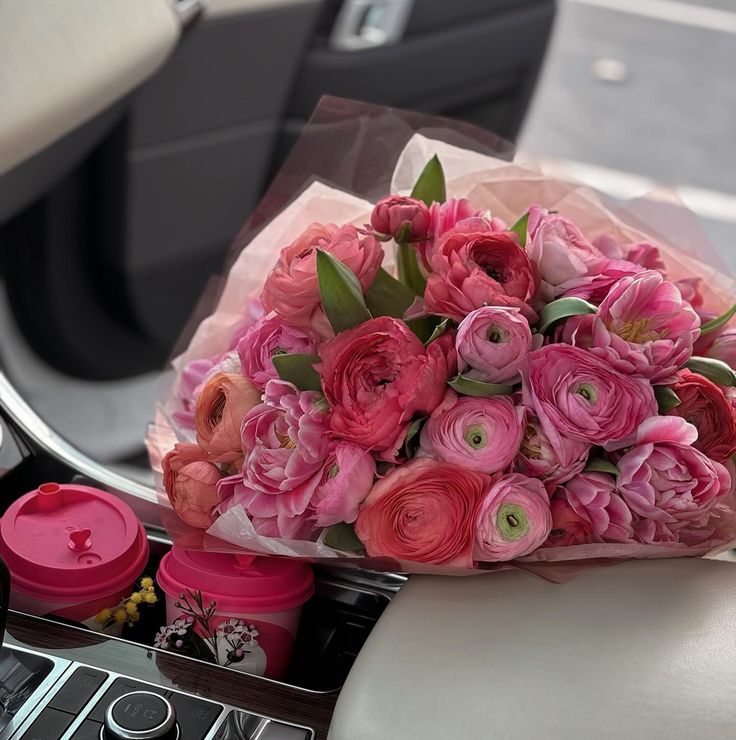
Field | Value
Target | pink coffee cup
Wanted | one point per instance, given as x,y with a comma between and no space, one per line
71,550
255,604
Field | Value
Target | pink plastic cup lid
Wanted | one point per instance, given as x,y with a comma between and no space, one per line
71,543
238,583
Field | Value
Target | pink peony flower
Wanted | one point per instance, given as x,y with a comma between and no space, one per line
704,405
401,218
594,496
285,441
190,384
643,327
347,478
558,248
292,289
378,376
513,519
537,457
474,266
724,347
568,527
268,337
647,255
222,404
442,218
480,434
668,482
577,395
491,344
424,512
602,275
191,485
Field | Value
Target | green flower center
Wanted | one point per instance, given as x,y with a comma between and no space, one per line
512,522
587,391
476,436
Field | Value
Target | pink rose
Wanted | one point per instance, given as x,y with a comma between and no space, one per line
601,277
537,457
292,289
285,441
568,527
668,482
577,395
513,519
233,492
491,344
190,383
222,404
379,376
423,512
442,218
480,434
401,218
347,478
643,327
724,348
558,248
191,485
647,255
480,267
594,497
268,337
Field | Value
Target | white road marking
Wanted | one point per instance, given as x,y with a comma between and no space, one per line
706,203
672,11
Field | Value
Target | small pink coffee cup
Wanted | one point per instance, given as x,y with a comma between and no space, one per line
248,595
71,550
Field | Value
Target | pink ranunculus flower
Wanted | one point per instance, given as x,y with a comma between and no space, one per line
190,384
474,266
190,482
537,457
347,478
558,248
643,327
285,442
480,434
442,218
724,347
513,519
568,527
594,496
665,480
577,395
268,337
491,344
647,255
401,218
379,376
233,492
602,275
292,289
424,512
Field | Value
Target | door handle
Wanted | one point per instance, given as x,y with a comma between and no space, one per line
367,24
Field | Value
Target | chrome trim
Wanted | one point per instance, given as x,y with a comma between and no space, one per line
368,24
123,733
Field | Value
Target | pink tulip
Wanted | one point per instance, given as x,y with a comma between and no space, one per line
481,434
191,485
491,344
513,519
594,496
647,255
577,395
595,285
724,348
268,337
347,478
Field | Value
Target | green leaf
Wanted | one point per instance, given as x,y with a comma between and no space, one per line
601,465
469,387
667,399
520,229
408,268
387,296
299,370
715,370
719,321
341,294
430,185
439,330
563,308
342,537
412,432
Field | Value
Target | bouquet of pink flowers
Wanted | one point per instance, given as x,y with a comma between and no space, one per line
506,373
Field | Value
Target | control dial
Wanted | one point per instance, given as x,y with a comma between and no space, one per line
140,715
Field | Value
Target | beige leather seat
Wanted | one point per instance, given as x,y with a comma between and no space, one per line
645,649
